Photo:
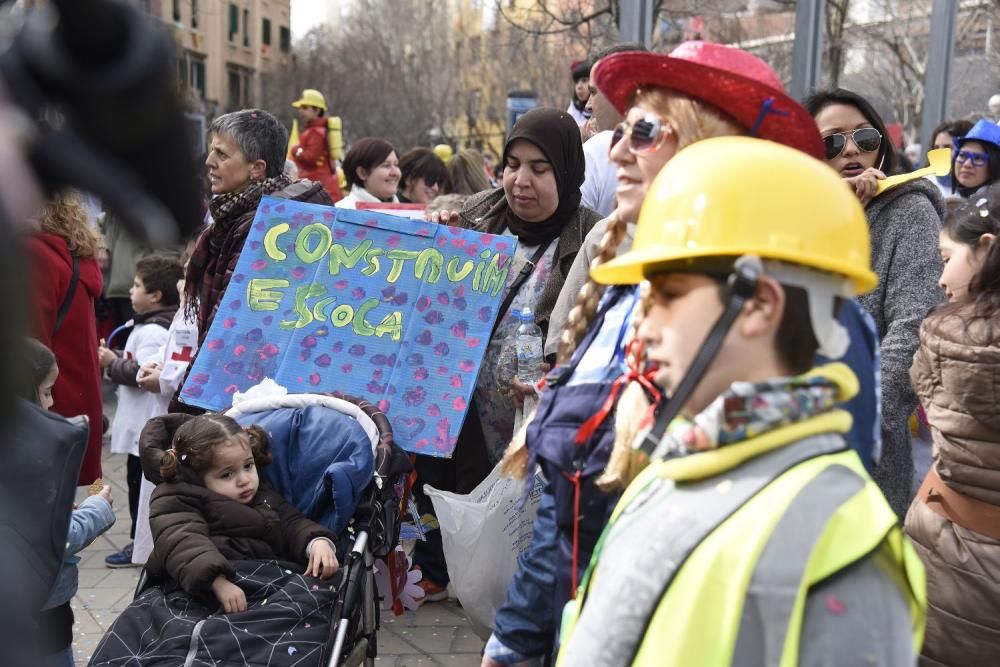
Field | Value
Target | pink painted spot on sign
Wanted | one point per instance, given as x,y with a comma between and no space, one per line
458,303
314,379
424,337
347,368
268,350
458,242
456,381
231,389
235,304
443,299
323,360
485,314
229,323
239,278
200,378
309,342
459,403
392,241
466,365
339,233
356,351
194,392
239,350
459,329
420,374
259,265
472,342
459,291
383,405
442,241
360,234
298,272
434,317
215,344
423,303
471,249
442,349
340,284
434,410
358,293
442,370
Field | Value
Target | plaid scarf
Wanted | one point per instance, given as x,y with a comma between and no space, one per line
747,410
214,256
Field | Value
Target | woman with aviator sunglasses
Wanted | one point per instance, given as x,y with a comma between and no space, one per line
904,223
976,159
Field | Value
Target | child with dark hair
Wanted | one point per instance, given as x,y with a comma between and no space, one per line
154,299
581,92
955,520
90,519
212,507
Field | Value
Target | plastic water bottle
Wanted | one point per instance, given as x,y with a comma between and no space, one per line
528,343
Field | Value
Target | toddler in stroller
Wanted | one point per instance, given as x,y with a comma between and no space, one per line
227,589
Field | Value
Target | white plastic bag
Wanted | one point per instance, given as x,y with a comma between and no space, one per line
483,534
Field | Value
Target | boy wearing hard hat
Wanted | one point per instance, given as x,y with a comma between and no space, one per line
754,535
312,154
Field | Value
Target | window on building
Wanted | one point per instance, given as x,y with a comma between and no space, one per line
265,32
285,36
246,27
198,77
239,88
194,14
234,21
177,11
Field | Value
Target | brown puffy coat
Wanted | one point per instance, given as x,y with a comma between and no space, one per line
196,531
955,376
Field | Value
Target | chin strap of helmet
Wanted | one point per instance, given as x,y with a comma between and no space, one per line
741,286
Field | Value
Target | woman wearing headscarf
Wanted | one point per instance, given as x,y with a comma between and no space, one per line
539,205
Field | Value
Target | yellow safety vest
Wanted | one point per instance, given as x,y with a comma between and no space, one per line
708,559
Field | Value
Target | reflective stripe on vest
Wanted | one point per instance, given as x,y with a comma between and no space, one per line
774,588
643,552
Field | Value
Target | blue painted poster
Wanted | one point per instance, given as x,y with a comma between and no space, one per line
393,310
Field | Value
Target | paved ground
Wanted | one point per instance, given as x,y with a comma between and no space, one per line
436,635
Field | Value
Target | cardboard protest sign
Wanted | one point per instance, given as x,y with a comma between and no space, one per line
393,310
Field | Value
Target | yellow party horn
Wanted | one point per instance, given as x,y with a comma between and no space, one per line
940,165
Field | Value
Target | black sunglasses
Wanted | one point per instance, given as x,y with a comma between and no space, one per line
867,139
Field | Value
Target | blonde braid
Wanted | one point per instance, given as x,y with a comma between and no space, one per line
632,409
590,294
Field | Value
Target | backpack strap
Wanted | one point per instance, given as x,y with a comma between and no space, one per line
70,293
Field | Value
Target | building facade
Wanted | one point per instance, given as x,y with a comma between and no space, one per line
223,48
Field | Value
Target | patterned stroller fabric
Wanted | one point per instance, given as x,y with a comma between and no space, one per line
287,622
334,459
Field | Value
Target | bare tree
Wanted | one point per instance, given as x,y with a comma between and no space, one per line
388,71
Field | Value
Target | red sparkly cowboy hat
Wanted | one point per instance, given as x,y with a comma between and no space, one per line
730,79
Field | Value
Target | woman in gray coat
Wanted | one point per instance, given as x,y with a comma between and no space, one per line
904,223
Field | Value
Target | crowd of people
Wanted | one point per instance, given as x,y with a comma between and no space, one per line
743,325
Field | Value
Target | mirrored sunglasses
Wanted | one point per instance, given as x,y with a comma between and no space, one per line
867,139
644,136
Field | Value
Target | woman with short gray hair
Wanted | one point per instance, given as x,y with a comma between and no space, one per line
246,157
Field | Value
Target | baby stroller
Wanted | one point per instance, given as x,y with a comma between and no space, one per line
290,620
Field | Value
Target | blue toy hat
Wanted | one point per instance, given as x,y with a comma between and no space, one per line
985,131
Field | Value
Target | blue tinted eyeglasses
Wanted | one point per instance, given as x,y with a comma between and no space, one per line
977,159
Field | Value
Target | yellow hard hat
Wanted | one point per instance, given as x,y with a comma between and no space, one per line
311,98
734,196
443,151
